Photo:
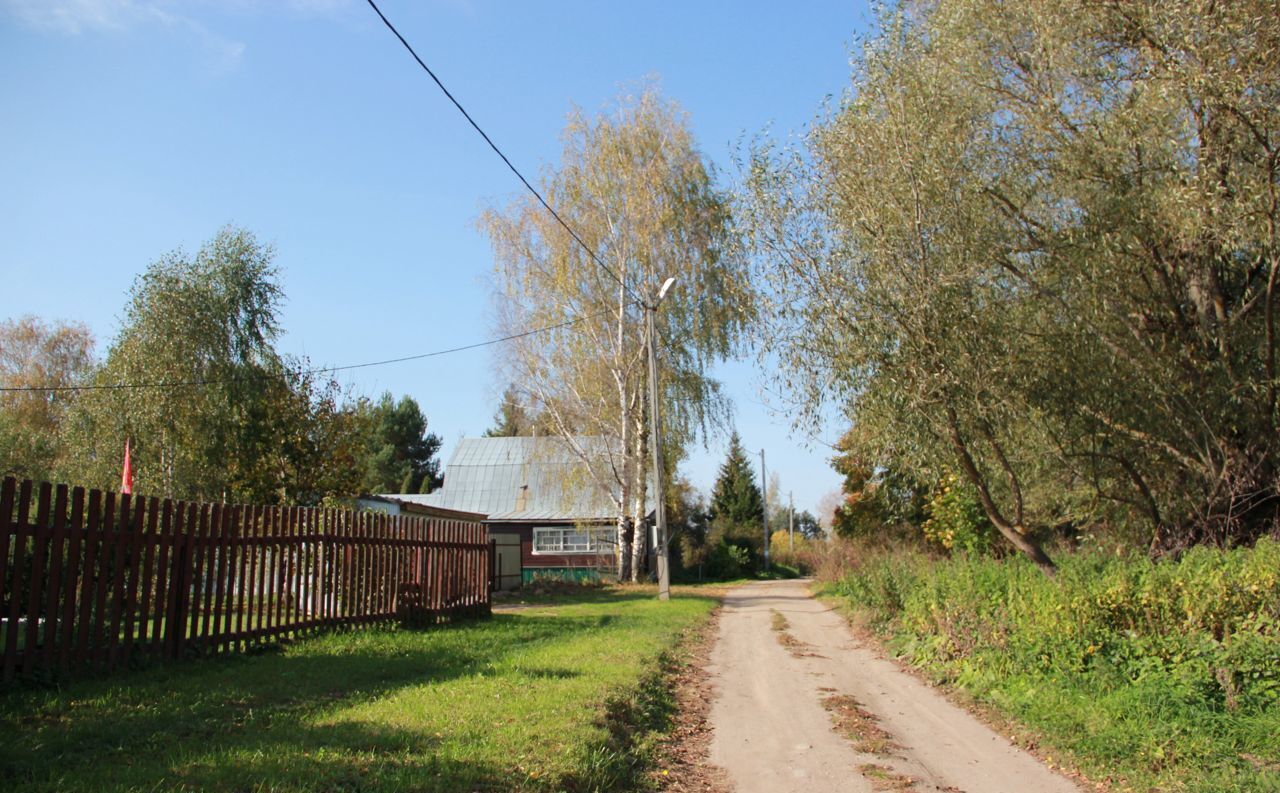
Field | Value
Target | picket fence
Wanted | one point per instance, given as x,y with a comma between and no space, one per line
98,581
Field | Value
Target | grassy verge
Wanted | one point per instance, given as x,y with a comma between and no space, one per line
1147,676
554,696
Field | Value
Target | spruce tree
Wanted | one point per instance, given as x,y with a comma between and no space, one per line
736,496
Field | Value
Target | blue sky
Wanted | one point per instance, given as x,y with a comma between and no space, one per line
130,128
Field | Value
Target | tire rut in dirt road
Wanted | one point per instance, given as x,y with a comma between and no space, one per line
802,706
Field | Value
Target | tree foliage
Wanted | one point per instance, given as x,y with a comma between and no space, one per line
212,410
737,505
736,495
634,186
400,455
1037,245
36,355
512,418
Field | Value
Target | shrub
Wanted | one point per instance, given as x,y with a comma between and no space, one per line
728,560
956,520
1161,671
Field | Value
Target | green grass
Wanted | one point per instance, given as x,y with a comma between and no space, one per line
517,702
1151,676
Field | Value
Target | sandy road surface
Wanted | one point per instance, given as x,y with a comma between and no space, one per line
773,732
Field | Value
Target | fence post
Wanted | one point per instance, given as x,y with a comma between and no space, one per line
180,593
493,563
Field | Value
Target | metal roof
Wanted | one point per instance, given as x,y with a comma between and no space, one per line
528,479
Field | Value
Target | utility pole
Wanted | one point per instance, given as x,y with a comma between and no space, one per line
791,521
655,440
764,489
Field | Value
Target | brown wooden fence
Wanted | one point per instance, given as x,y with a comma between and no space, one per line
93,581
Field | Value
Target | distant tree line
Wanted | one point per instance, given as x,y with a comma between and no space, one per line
212,410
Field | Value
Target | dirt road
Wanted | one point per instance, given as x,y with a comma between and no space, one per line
802,706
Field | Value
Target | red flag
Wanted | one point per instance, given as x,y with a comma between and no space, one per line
126,478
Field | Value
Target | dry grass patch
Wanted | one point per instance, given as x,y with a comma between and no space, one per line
885,778
859,725
794,646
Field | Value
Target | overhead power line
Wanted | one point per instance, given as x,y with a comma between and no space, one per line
316,370
494,146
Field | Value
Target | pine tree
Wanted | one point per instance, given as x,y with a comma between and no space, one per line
736,496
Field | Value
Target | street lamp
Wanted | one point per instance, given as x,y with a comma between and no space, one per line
655,436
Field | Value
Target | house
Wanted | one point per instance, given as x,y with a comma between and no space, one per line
546,512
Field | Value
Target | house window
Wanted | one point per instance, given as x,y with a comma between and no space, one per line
571,539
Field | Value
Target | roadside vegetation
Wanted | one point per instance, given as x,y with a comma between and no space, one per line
1149,675
1032,257
562,695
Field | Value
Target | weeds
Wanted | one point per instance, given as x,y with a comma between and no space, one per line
1151,674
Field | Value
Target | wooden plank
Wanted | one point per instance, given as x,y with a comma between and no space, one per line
366,558
451,567
150,542
71,585
8,493
88,581
287,530
221,546
353,584
347,569
390,557
253,595
57,565
429,569
272,594
175,630
20,533
120,539
133,571
164,578
235,575
332,563
351,558
106,548
302,572
353,568
35,603
199,534
243,516
306,575
263,518
343,559
376,577
210,514
437,568
312,586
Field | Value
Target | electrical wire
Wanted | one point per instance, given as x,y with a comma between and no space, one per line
300,372
494,146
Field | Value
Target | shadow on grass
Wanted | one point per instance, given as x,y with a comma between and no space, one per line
347,756
250,712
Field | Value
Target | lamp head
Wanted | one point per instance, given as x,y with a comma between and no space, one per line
662,292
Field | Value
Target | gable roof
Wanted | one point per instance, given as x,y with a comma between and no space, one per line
526,479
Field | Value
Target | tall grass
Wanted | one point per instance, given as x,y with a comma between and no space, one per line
1160,675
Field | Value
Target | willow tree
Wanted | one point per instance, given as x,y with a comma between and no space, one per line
1036,245
633,185
212,410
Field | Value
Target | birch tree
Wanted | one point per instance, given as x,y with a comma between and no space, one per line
633,185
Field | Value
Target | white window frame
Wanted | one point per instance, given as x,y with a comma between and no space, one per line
598,540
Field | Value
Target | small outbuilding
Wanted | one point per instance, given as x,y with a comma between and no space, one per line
550,513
